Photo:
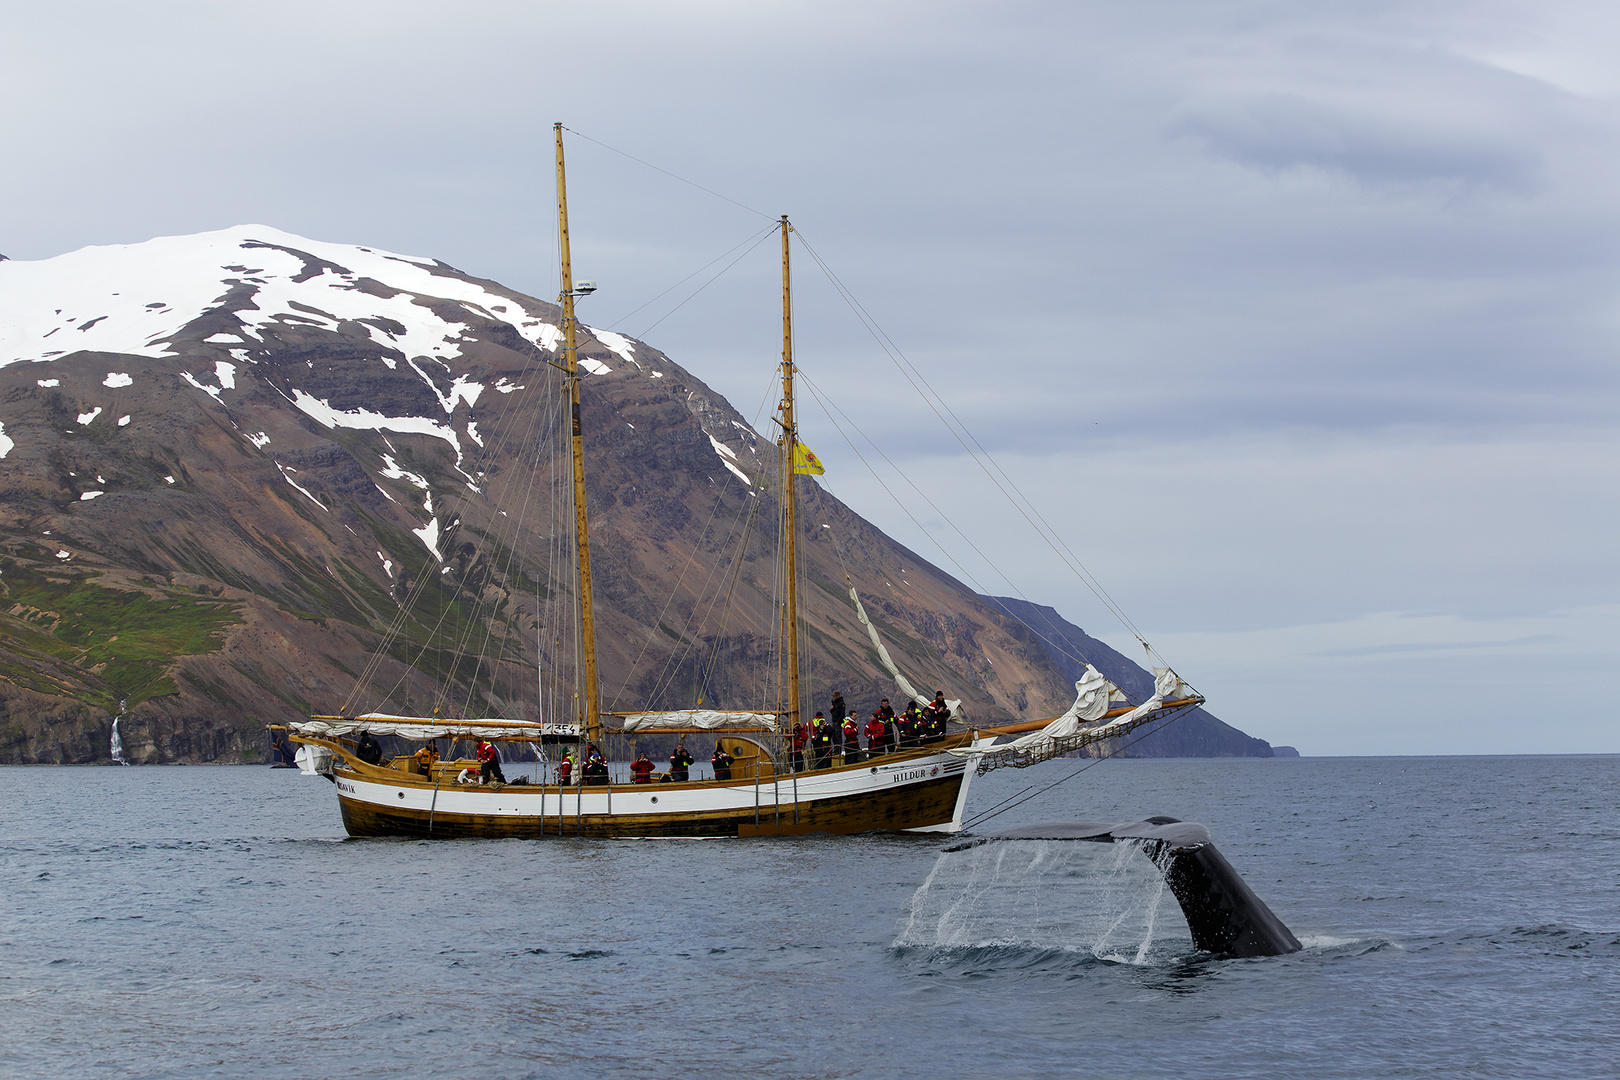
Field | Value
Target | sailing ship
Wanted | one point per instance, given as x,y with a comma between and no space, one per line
921,786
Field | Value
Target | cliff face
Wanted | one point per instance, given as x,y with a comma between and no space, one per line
248,476
1195,733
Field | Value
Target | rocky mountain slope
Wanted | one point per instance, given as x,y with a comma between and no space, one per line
246,476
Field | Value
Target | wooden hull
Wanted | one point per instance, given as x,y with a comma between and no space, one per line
920,791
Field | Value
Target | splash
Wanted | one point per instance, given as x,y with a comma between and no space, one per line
116,746
1097,899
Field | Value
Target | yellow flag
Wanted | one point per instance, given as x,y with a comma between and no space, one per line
805,461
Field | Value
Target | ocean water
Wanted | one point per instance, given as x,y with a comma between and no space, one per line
1461,917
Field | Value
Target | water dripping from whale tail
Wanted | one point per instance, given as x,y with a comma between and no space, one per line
1223,913
1035,902
116,743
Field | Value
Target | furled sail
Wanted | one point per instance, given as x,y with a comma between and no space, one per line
698,720
883,654
1079,727
426,727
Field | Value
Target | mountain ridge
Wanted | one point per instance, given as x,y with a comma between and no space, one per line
246,473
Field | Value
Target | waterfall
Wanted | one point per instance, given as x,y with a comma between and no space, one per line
117,744
1101,899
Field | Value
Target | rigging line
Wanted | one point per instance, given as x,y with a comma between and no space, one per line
484,454
666,172
674,591
914,376
736,575
764,236
825,403
1013,801
771,228
910,372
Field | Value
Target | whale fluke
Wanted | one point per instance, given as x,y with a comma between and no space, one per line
1223,913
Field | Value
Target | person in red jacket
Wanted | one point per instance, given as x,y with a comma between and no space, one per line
852,740
877,734
489,762
801,735
565,769
641,770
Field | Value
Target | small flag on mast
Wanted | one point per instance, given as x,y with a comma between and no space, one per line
805,461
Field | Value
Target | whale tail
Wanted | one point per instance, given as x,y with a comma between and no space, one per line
1223,913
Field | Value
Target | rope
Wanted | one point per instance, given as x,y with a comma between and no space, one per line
666,172
1031,792
914,377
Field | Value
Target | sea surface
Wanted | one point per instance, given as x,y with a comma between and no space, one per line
1461,917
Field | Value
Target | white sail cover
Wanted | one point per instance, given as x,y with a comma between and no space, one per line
428,727
698,720
1071,731
883,654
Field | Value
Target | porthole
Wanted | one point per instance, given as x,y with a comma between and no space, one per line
402,794
874,770
655,798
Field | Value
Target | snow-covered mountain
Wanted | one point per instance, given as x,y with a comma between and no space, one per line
233,463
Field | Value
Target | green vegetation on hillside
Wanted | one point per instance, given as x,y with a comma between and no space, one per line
58,628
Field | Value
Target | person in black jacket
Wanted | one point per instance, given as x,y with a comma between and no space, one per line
369,750
836,713
721,761
679,762
821,741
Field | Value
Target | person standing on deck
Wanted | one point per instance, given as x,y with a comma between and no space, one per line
836,713
369,750
877,735
800,734
721,761
641,770
852,740
565,770
679,762
427,757
821,740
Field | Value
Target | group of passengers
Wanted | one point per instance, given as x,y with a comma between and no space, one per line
825,737
886,732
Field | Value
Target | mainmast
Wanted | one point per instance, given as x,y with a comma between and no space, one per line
587,622
789,466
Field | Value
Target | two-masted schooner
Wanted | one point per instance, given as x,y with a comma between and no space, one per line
917,788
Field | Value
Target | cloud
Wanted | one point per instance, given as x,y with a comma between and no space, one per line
1280,133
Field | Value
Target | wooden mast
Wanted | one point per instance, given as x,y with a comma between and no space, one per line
587,622
790,460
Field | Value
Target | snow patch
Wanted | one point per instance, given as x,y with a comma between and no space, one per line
6,444
123,421
722,449
87,417
366,420
505,386
472,432
394,472
64,554
50,382
595,367
88,495
225,372
616,343
222,339
429,535
168,479
117,379
286,474
737,472
388,564
260,441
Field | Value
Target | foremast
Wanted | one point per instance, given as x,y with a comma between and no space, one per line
787,469
582,537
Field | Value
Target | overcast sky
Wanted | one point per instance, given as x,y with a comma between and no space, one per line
1298,320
